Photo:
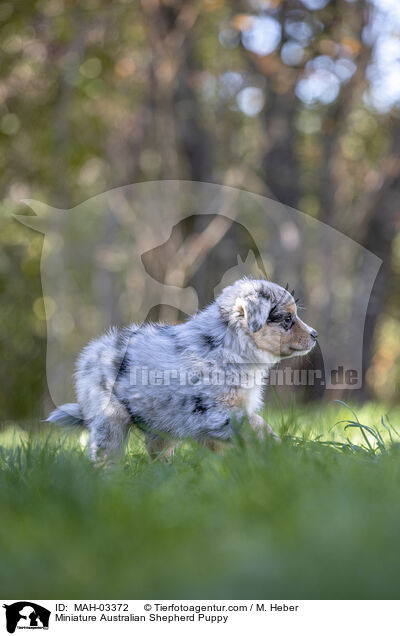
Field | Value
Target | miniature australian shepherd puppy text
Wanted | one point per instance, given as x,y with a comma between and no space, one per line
191,380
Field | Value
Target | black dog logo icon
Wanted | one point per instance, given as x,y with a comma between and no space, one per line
32,616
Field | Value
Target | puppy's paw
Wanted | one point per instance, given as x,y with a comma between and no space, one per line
262,428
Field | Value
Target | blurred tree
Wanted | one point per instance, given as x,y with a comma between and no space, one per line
294,99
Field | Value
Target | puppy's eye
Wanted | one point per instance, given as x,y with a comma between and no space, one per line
287,322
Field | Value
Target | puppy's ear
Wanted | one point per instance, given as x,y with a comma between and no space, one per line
255,311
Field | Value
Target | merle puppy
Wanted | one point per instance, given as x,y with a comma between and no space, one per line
198,379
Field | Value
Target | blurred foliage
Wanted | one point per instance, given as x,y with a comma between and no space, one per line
296,100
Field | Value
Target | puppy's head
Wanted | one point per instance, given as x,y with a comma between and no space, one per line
268,314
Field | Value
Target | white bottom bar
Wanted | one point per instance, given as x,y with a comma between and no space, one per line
194,617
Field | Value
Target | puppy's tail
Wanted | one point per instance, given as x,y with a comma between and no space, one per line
67,415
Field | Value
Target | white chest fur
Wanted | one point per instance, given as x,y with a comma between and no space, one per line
253,399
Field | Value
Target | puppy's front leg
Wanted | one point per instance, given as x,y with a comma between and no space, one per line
261,427
159,447
216,446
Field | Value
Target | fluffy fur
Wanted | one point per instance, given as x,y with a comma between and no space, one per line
194,379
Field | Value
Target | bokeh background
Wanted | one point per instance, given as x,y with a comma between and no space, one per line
296,100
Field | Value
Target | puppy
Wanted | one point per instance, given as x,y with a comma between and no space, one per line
192,380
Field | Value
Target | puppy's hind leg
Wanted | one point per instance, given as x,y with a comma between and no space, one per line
107,437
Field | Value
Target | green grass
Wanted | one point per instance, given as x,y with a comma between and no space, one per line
304,519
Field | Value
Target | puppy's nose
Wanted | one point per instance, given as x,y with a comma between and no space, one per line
314,334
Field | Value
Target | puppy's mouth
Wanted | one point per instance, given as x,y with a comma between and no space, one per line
301,350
